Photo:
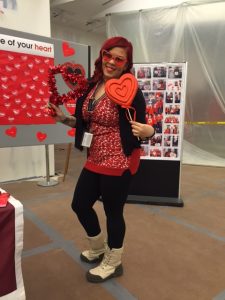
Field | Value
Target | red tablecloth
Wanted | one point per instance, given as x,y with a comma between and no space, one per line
11,245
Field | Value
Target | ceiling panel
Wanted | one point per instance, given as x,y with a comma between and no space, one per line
81,13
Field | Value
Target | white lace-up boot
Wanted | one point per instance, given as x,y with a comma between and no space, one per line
97,249
110,266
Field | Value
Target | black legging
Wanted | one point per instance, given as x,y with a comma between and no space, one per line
113,191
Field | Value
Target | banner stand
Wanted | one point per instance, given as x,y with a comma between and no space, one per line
163,201
48,181
163,186
157,180
67,161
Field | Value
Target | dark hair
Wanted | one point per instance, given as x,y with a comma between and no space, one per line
117,41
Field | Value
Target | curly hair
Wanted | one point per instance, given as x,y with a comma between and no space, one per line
117,41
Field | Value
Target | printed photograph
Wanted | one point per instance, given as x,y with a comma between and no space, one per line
144,150
172,109
172,119
156,141
143,72
159,72
169,97
174,85
170,152
177,96
159,84
156,152
144,84
175,72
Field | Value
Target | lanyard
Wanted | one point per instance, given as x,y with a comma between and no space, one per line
93,101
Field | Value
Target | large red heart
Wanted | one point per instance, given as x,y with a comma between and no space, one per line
122,90
71,132
67,50
41,136
11,131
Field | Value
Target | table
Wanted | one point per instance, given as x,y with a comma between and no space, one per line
11,246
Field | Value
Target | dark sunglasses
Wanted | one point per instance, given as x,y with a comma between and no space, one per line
119,61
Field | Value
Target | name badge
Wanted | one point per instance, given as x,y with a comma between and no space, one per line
87,139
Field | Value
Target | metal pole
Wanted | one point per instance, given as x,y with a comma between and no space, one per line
48,181
67,161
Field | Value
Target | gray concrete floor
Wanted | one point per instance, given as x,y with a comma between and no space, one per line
171,253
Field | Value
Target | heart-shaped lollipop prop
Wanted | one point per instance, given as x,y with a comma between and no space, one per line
122,91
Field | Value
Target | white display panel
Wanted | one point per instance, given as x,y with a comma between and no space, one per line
25,60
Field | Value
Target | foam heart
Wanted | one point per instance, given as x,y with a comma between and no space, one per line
41,136
70,106
12,131
67,50
71,132
122,90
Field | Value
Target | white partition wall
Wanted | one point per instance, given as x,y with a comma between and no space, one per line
189,32
32,17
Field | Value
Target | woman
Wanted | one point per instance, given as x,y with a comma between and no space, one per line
113,157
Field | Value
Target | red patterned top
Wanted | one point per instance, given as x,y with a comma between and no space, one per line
105,155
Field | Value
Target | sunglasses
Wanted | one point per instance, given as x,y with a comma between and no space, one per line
119,61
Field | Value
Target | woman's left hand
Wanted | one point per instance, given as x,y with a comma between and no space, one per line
141,130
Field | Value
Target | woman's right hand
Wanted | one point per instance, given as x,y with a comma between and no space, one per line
59,115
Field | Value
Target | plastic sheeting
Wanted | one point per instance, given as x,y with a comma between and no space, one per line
194,32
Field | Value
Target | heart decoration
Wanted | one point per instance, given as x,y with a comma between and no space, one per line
70,106
12,131
122,90
41,136
71,132
67,50
4,199
73,69
80,82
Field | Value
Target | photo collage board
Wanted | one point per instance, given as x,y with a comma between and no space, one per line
163,86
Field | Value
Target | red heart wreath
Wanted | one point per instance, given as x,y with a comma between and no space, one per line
78,80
